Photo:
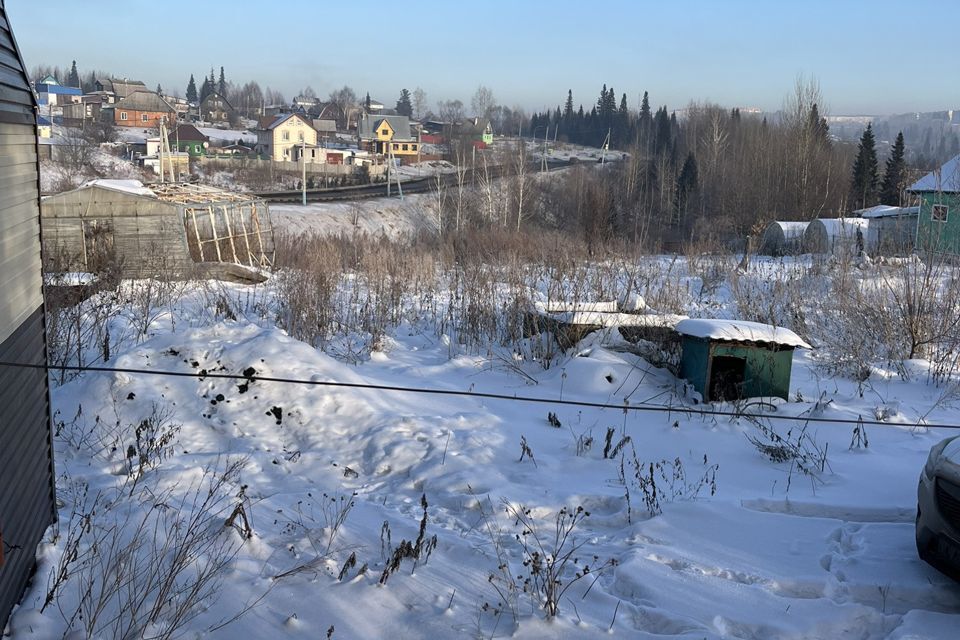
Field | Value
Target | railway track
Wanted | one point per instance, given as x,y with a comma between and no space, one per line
415,185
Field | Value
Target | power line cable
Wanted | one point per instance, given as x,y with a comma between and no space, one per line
626,406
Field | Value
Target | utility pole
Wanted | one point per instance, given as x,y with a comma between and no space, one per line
303,161
606,145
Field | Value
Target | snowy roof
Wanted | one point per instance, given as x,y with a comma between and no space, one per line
739,331
145,101
946,178
887,211
134,187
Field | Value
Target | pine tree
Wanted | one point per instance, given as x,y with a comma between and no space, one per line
895,174
404,104
644,122
818,126
687,183
568,106
863,184
159,89
222,84
206,89
661,131
73,80
192,90
366,103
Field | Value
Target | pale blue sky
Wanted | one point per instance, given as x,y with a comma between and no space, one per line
871,57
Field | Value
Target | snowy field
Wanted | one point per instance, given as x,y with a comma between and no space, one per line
325,484
391,217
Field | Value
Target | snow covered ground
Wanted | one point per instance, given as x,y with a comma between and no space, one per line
391,217
332,478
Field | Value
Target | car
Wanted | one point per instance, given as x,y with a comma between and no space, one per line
938,508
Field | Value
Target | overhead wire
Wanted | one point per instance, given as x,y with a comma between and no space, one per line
626,406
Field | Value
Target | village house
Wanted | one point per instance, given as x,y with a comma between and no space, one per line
27,501
478,130
387,135
143,109
938,223
119,89
50,93
216,109
87,110
277,136
189,139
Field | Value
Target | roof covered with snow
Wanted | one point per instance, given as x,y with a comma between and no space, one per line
740,331
842,226
946,178
133,187
887,211
145,101
791,229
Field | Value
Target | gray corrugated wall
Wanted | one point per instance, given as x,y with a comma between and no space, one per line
26,466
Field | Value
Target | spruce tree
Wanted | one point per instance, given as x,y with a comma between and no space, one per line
863,183
159,89
222,84
895,174
568,106
73,80
192,90
205,89
644,122
404,104
686,183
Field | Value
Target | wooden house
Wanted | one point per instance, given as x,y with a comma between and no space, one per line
143,109
164,229
27,505
216,109
733,359
938,222
119,89
189,139
278,135
387,135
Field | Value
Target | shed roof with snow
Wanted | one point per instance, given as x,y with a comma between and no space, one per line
782,238
945,179
732,359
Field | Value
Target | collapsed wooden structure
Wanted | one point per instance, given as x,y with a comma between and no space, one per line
164,229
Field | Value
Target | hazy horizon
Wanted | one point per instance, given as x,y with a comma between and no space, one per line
738,54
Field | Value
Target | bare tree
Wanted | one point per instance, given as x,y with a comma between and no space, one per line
419,103
450,110
520,162
345,99
483,102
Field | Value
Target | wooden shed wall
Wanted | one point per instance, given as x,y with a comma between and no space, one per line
26,464
146,234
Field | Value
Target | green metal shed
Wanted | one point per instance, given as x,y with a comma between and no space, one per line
732,359
938,225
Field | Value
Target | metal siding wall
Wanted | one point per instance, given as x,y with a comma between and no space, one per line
26,467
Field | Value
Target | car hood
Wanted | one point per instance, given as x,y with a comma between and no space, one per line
952,452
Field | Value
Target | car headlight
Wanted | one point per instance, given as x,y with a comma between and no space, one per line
934,457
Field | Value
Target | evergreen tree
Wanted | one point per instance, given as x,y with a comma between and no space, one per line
404,104
73,80
818,126
222,84
192,90
661,131
366,103
644,122
159,89
568,106
895,174
205,89
863,183
687,183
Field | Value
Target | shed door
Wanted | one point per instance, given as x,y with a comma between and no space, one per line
726,377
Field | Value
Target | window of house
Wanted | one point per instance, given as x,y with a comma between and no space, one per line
123,115
385,132
406,147
143,117
286,135
939,213
395,146
413,147
301,136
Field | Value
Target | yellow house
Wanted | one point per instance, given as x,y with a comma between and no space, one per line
387,135
278,136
